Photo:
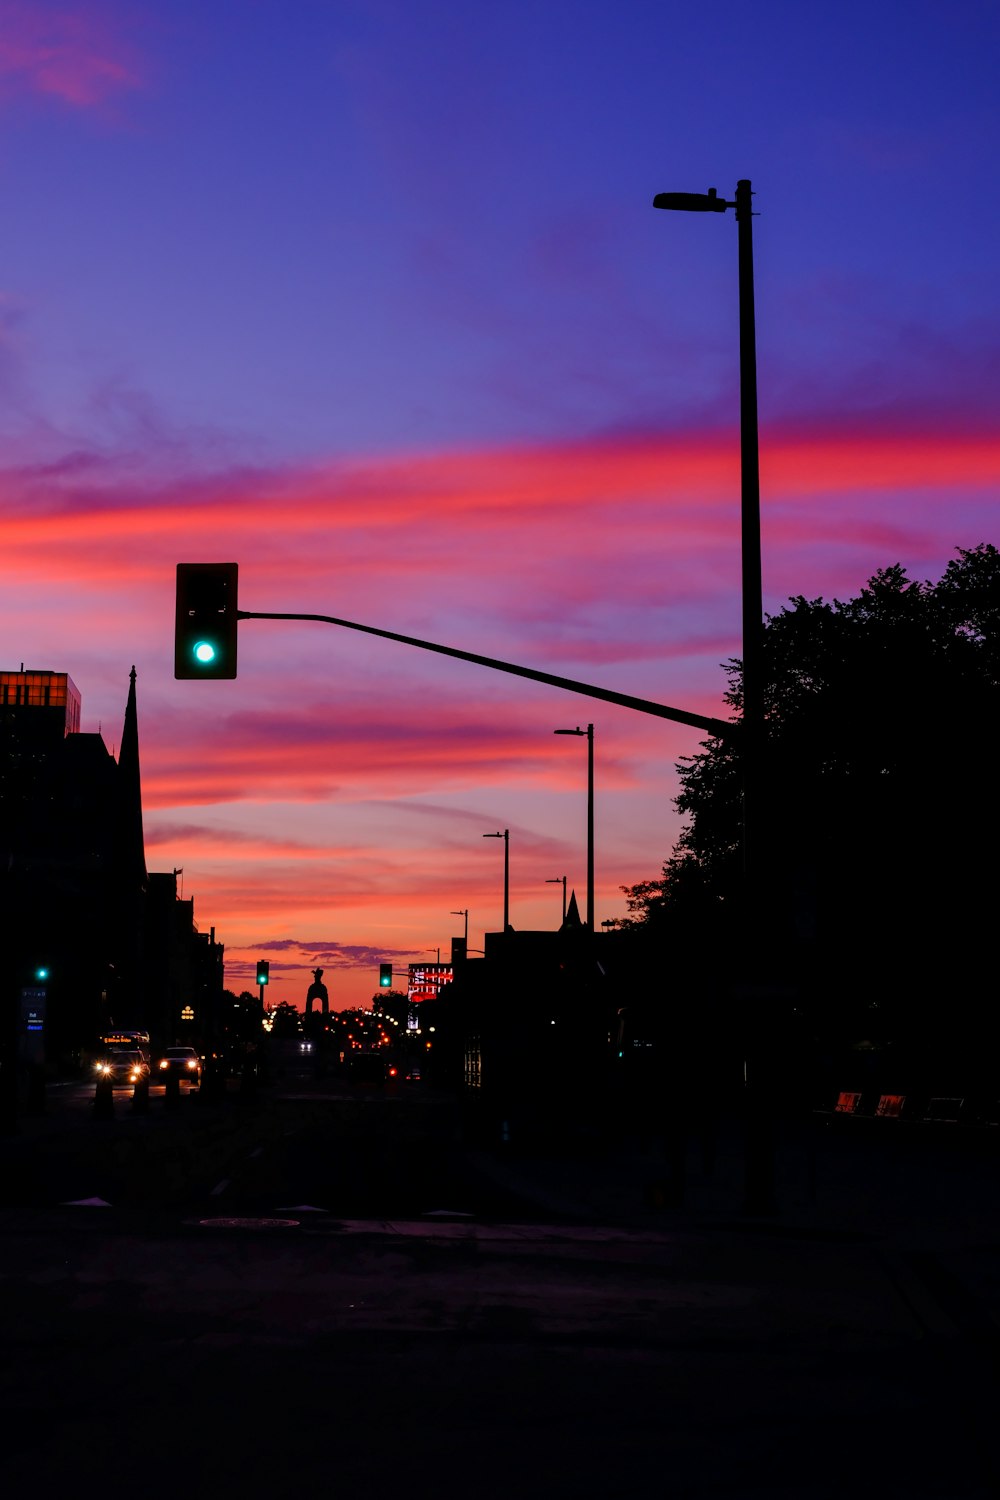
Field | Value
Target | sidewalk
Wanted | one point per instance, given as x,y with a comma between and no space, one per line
833,1178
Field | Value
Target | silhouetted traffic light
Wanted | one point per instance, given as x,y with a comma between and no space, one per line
205,625
263,968
385,976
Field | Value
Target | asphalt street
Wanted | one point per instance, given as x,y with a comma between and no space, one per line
339,1291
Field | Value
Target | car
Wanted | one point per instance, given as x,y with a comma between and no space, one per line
182,1062
123,1067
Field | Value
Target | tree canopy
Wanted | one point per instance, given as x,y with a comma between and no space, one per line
879,804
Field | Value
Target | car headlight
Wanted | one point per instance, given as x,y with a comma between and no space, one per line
191,1063
164,1064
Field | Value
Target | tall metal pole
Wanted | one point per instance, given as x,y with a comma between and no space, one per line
759,1132
759,1146
753,607
590,827
506,879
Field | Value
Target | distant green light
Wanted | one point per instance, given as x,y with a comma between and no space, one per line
204,652
42,973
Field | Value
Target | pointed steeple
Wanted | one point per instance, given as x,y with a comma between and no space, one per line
133,853
572,918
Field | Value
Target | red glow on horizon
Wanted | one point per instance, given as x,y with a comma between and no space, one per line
343,785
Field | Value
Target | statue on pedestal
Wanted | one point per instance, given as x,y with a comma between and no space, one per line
317,991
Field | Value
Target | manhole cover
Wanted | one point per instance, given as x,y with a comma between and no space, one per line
249,1223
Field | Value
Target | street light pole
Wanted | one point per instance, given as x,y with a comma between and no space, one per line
560,880
759,1163
589,732
464,914
753,609
753,606
506,872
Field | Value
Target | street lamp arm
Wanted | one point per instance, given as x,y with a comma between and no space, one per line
719,727
709,202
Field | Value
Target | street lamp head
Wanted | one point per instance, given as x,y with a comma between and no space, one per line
578,730
495,835
709,202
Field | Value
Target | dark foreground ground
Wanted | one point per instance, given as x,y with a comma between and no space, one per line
324,1292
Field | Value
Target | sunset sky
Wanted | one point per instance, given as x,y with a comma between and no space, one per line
369,296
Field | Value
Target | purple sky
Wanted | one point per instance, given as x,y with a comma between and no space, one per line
371,298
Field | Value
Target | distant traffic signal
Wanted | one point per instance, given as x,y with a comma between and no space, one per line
205,623
385,976
263,969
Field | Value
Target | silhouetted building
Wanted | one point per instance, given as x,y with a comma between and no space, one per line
184,968
67,850
524,1031
75,895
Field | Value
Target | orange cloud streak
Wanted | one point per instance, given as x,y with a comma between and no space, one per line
622,554
486,487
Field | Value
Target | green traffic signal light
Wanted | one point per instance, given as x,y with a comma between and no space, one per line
41,972
263,971
206,620
385,976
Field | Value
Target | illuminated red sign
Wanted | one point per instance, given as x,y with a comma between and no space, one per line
426,981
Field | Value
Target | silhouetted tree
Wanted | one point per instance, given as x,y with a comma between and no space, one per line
879,807
286,1020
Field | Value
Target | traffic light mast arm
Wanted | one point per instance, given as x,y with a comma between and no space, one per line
718,727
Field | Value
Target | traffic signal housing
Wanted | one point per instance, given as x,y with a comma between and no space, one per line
385,976
206,621
263,970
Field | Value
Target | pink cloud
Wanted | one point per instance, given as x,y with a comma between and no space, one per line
343,784
552,538
69,54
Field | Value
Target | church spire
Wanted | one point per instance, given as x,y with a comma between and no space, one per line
572,918
133,848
